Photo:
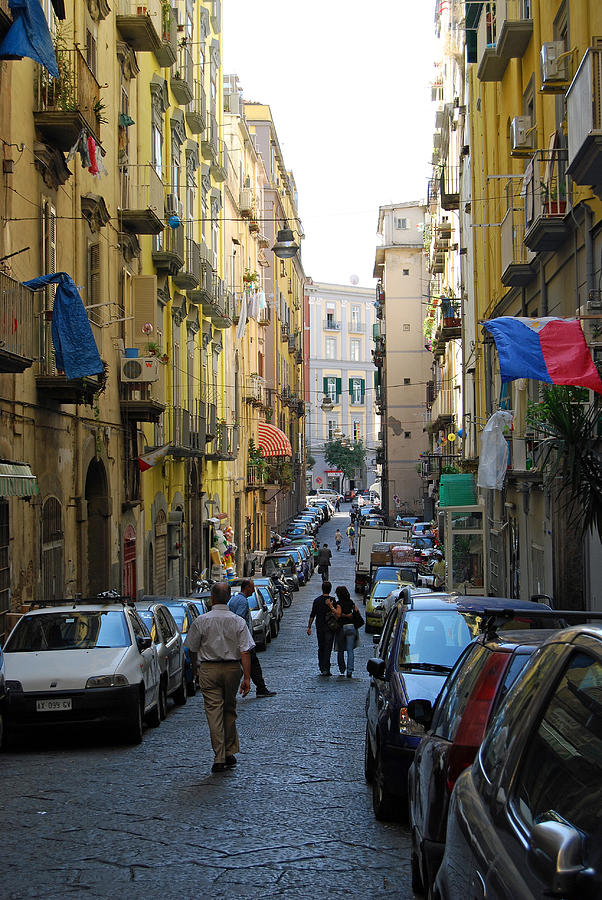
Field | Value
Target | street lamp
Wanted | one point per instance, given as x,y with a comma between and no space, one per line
285,246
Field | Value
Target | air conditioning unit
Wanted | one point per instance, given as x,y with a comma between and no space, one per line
246,201
554,63
141,369
520,135
173,206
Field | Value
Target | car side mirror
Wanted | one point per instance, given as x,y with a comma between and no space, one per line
556,854
422,712
144,643
376,667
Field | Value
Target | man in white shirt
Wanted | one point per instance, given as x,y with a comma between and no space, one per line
220,646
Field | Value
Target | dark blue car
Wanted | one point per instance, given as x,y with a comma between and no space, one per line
421,640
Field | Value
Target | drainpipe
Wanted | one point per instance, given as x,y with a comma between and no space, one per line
588,222
523,301
543,290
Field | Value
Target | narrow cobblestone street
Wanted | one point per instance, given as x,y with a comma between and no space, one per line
293,820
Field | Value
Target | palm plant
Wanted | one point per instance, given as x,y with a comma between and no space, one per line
571,453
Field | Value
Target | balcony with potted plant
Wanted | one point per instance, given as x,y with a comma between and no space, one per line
547,200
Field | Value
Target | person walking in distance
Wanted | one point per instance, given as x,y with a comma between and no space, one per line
220,649
351,537
323,633
239,604
338,538
324,558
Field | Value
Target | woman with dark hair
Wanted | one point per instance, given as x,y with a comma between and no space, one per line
347,635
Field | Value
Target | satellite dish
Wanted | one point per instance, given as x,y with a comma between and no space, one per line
354,279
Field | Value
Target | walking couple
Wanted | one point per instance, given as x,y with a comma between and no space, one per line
337,620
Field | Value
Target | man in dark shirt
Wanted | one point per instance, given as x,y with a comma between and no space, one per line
239,604
324,557
324,634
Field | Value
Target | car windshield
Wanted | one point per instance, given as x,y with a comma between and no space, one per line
423,542
253,601
266,595
274,564
383,588
70,630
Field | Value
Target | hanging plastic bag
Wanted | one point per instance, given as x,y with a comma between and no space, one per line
493,456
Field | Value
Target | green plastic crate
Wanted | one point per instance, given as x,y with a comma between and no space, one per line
457,490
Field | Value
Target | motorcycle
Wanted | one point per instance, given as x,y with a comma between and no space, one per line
285,588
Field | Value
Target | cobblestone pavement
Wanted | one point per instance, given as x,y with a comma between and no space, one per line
294,819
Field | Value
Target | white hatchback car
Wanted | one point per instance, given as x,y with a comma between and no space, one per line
82,663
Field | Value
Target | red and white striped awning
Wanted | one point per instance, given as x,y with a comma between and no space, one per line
272,441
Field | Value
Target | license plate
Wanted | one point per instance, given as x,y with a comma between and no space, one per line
53,705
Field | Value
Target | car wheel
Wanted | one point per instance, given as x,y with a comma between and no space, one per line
274,628
262,644
163,700
180,696
382,802
417,885
368,759
132,733
153,718
268,634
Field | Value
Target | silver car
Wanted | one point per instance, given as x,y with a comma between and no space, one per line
170,651
261,618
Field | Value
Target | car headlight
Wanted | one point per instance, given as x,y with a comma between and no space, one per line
106,681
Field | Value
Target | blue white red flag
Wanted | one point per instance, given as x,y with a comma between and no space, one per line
547,349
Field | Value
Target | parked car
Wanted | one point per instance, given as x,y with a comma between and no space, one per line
375,604
455,727
404,574
84,663
301,567
422,638
261,617
420,528
184,612
309,522
524,820
409,520
273,602
170,650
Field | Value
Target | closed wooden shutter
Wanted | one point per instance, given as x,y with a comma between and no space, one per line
161,553
339,387
94,309
144,296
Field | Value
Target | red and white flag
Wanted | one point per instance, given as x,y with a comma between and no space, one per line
151,459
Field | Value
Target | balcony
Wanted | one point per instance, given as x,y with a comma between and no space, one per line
141,402
203,295
196,111
17,326
514,27
179,431
434,465
142,200
188,277
265,317
449,185
168,245
449,326
167,53
331,324
222,312
547,201
255,390
138,23
516,258
224,447
491,66
292,343
444,408
584,116
67,105
209,145
53,385
256,476
438,263
284,330
211,422
182,77
219,167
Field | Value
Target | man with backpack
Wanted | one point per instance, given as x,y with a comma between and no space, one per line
351,538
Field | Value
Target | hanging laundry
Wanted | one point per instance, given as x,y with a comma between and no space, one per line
242,322
75,349
93,167
262,303
254,306
29,36
81,147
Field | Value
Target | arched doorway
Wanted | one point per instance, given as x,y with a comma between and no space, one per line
53,540
129,562
99,573
160,574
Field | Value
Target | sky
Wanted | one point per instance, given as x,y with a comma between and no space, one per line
348,83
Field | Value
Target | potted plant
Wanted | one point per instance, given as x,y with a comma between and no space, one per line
553,194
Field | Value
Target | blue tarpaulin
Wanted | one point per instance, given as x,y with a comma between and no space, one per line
75,349
29,35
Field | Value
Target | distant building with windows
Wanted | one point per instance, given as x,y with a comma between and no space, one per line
340,319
